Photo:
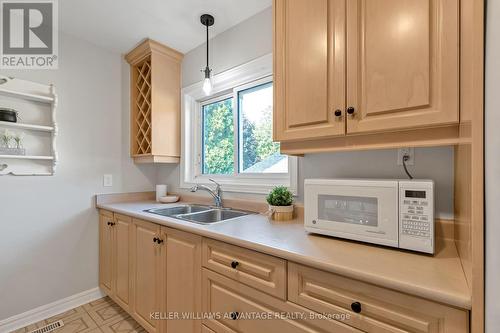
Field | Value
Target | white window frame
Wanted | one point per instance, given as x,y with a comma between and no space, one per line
226,85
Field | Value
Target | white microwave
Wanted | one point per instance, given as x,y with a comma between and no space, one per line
397,213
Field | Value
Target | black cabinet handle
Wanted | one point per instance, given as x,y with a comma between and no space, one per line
356,307
350,110
234,264
234,315
338,113
111,223
159,240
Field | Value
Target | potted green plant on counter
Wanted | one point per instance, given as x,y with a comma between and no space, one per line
280,201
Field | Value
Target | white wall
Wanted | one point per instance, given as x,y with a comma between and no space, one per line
253,38
48,225
492,172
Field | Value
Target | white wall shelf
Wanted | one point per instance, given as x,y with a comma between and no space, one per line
28,96
26,157
32,101
27,126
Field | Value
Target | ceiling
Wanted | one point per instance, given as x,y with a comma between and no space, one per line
118,25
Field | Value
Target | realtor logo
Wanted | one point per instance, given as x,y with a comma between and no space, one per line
29,34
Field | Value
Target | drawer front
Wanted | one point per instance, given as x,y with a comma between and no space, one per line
239,308
381,310
261,271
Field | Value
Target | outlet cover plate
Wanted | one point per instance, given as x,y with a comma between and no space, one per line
107,180
406,151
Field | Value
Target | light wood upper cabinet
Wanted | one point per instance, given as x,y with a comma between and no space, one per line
155,103
385,65
309,68
146,274
402,67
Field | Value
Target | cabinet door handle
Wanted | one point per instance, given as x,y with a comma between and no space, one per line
157,240
337,113
234,264
111,223
234,315
356,307
350,110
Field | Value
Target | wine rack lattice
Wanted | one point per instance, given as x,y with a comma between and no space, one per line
143,108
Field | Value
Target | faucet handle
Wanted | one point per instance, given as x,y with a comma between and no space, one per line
216,184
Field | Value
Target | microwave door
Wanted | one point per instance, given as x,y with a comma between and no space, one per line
359,213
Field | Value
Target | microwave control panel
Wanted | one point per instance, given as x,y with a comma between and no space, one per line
416,215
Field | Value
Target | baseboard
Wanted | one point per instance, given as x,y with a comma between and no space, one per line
48,310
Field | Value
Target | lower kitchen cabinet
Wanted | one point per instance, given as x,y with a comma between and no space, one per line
240,308
105,252
121,246
182,279
146,254
159,275
114,256
370,308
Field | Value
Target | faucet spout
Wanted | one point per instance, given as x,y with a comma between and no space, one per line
216,194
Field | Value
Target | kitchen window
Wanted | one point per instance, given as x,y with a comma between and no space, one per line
228,137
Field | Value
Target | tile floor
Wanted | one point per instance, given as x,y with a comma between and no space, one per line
100,316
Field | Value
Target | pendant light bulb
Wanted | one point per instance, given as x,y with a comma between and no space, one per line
207,86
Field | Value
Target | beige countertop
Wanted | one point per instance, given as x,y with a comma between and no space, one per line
439,278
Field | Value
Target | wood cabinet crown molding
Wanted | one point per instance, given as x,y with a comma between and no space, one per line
155,102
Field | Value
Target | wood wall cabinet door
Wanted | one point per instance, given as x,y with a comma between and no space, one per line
146,274
121,257
309,68
402,64
182,261
105,251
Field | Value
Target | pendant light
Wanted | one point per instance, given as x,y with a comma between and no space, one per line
207,20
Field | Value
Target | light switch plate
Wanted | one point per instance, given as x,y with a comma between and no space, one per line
406,151
107,180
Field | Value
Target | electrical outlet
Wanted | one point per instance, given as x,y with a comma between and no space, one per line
406,151
107,180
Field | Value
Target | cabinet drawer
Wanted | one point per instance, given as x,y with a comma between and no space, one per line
239,308
381,310
261,271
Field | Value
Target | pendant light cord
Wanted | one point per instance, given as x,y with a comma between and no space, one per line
207,46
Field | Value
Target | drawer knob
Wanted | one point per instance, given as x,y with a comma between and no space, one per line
157,240
234,264
234,315
338,113
350,110
356,307
111,223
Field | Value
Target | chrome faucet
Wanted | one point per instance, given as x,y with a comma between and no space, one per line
216,194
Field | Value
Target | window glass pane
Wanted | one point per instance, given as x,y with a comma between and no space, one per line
218,138
258,153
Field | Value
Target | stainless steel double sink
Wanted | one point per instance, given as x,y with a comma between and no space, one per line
199,214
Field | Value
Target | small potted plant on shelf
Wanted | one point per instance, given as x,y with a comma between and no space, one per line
280,201
11,144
